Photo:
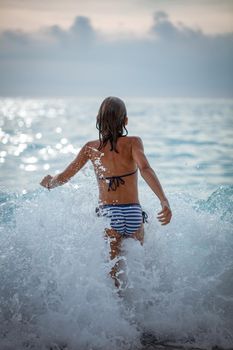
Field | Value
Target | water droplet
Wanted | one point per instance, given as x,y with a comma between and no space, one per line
58,146
30,167
3,154
38,135
46,166
64,141
58,130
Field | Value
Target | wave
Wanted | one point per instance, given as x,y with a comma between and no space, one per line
55,285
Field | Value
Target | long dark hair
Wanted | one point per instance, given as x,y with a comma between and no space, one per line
110,122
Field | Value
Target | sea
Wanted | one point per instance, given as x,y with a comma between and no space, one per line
55,287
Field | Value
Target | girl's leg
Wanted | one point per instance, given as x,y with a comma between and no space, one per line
139,235
115,247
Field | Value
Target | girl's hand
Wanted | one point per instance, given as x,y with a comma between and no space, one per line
46,181
164,216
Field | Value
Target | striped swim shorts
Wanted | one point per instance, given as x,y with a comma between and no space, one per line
126,219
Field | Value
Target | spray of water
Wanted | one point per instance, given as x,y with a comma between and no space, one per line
56,290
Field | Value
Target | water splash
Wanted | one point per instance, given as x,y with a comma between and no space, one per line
55,285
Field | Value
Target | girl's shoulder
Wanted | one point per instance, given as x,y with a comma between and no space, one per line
134,139
91,147
93,143
131,143
136,143
131,138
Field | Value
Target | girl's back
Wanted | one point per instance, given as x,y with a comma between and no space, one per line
109,164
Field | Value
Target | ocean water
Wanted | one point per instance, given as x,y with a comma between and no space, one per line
55,290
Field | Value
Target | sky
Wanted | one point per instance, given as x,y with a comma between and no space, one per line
167,48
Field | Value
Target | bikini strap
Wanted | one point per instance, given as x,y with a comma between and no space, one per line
116,181
144,217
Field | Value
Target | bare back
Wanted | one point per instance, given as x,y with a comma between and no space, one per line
109,163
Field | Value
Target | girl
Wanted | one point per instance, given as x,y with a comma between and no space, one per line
116,159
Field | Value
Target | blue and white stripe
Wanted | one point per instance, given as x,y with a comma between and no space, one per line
124,218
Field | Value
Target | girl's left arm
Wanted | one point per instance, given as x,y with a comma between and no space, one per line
77,164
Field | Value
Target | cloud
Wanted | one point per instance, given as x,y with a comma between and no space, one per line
165,29
81,28
80,33
174,60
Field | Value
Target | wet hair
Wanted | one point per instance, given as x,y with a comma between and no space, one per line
110,122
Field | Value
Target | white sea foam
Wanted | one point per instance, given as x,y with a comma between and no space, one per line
56,288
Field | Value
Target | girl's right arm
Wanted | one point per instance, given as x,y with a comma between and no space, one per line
148,174
77,164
